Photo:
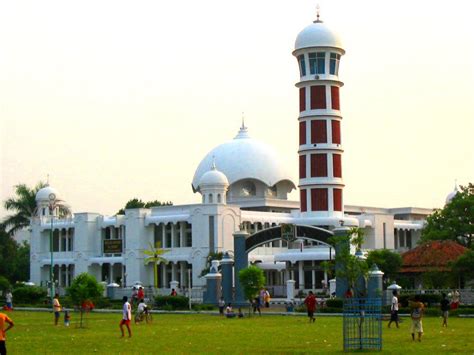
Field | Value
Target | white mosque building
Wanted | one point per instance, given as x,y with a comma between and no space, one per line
244,186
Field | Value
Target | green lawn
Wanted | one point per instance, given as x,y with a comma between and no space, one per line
173,333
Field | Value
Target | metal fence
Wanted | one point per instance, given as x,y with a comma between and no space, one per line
362,324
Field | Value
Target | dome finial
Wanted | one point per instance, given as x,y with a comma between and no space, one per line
317,14
243,122
213,166
47,180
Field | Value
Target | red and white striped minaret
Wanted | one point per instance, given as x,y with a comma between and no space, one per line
318,51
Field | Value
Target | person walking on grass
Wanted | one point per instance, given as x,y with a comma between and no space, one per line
9,300
394,310
417,310
310,302
126,316
445,309
56,308
3,331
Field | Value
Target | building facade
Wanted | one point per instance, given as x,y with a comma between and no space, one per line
244,186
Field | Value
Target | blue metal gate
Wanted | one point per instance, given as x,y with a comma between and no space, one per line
362,325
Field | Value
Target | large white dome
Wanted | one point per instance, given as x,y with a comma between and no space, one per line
244,158
317,35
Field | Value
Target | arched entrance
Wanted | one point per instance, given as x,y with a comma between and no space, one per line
274,233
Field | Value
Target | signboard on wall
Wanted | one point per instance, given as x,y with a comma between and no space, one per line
112,246
288,232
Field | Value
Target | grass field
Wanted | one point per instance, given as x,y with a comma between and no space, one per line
34,333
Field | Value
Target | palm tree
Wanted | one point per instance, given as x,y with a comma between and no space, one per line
155,256
24,203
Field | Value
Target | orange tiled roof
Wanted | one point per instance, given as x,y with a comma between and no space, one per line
430,256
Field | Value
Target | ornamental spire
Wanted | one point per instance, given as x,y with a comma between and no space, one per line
317,14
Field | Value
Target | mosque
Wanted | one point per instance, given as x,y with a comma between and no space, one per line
244,187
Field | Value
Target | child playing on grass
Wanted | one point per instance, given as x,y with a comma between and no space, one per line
417,310
126,316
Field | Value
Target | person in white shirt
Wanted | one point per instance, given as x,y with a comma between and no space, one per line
126,316
142,310
394,310
8,300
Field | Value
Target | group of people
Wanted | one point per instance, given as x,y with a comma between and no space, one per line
417,309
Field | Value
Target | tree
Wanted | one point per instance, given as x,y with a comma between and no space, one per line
14,258
24,203
453,222
84,288
387,261
349,266
154,255
252,280
464,265
138,203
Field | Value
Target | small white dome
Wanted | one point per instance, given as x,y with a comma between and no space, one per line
44,194
317,35
213,177
244,158
452,194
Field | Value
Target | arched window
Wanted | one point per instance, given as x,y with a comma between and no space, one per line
210,198
219,199
248,189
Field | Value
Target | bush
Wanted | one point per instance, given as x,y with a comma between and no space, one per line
334,303
171,303
4,284
203,307
29,294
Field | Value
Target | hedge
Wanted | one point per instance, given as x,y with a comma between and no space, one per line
171,303
29,294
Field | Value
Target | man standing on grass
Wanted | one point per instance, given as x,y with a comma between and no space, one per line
445,309
310,302
126,316
56,308
4,319
394,310
417,310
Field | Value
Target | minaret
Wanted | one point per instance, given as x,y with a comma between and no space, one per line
318,51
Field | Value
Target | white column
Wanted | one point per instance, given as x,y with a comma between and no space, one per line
182,229
173,233
173,272
313,276
182,269
163,275
67,269
67,239
111,273
300,275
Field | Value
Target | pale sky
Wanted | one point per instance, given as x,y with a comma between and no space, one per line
122,99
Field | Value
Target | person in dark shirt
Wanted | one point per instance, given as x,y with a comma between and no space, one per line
445,309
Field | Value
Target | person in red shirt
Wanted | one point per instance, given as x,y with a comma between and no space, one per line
141,293
348,293
310,302
3,331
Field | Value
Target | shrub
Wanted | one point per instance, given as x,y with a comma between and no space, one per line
4,283
203,307
334,303
29,294
170,303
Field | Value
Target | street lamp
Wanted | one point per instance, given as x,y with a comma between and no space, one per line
52,205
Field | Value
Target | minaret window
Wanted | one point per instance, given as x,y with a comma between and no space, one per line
211,200
219,199
318,131
318,97
319,167
317,63
302,166
319,199
335,98
302,99
302,132
336,131
334,63
336,165
302,65
337,198
303,200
